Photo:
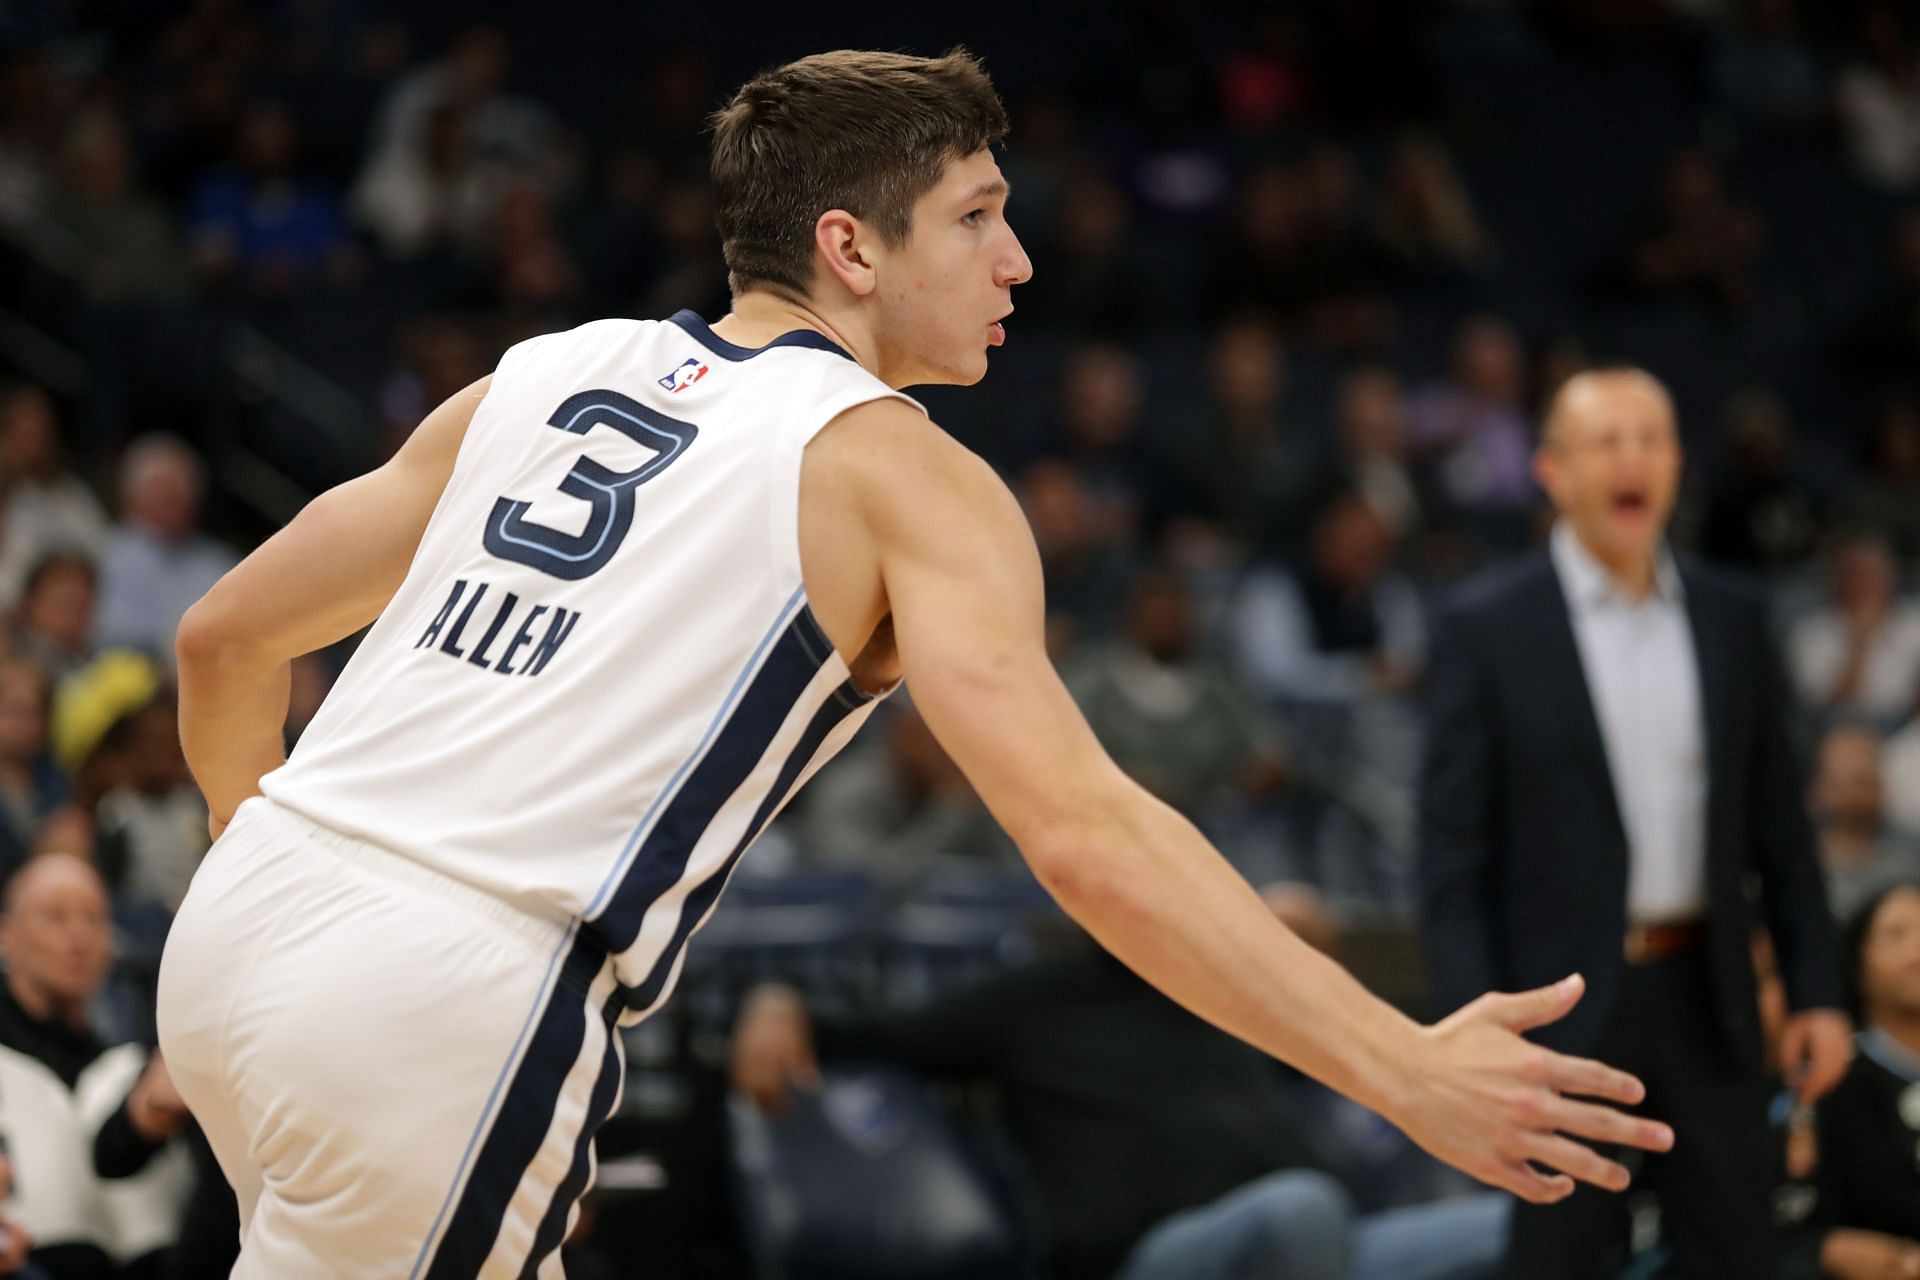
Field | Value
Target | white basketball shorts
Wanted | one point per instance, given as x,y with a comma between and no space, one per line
401,1075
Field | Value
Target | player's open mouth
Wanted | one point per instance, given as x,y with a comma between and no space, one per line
1631,503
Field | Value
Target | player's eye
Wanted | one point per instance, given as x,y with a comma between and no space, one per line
973,219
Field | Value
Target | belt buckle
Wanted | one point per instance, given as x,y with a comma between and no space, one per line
1638,944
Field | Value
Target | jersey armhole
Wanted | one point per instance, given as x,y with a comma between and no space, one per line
784,501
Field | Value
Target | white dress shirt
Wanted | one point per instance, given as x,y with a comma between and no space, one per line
1644,679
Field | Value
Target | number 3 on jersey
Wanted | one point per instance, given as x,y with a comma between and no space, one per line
511,536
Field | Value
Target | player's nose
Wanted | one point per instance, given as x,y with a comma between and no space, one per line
1015,266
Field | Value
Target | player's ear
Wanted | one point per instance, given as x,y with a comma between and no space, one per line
842,241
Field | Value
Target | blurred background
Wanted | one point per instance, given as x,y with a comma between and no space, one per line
1305,275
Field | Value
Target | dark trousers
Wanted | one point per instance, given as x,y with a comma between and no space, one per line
1713,1188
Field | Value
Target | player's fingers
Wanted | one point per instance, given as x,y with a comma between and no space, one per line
1531,1185
1592,1079
1604,1124
1575,1160
1536,1008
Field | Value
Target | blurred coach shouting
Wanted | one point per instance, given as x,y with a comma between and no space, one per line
1608,788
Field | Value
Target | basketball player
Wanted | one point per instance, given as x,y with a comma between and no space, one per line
627,594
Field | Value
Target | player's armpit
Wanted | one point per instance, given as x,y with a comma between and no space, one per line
334,567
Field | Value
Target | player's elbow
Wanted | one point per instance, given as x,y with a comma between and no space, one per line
1074,855
206,634
1068,868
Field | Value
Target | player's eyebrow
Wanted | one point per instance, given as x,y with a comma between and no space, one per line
987,190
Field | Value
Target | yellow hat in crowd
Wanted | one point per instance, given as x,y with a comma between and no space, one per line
93,700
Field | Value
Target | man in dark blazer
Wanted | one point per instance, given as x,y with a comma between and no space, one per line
1608,788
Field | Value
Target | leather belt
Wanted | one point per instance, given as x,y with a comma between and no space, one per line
1646,943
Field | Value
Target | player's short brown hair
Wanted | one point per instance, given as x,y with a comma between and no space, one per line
866,132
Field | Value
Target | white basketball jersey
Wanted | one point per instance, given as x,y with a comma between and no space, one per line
600,679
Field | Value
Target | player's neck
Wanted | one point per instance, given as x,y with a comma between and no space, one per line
758,317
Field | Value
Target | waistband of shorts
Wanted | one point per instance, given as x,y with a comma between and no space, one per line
542,930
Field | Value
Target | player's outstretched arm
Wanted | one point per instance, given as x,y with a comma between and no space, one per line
962,579
326,575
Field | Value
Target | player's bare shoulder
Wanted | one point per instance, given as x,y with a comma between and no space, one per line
880,484
885,463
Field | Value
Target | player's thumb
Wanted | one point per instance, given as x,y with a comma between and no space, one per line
1536,1008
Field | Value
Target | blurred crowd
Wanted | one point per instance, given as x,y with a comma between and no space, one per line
1305,276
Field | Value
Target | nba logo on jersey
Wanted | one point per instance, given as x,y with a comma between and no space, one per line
689,372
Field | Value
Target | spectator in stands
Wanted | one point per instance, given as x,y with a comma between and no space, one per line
1341,268
55,935
1860,851
532,277
1886,497
1900,767
188,120
1879,99
1869,1180
53,628
438,356
1338,628
1246,475
1883,341
57,941
1424,219
1695,241
1096,281
615,230
157,562
151,818
1157,1147
1473,427
1765,69
896,808
261,224
464,97
1098,430
690,272
430,194
1370,432
1860,653
118,242
1181,726
1256,261
31,786
44,507
30,105
1761,513
1086,561
69,830
86,707
50,1199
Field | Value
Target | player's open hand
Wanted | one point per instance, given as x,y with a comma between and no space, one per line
773,1048
1487,1101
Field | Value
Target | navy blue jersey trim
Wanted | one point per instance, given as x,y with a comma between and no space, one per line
553,1224
661,860
520,1127
698,330
694,909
